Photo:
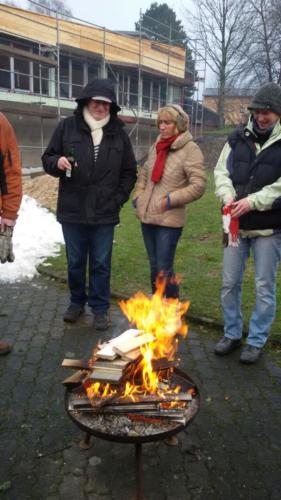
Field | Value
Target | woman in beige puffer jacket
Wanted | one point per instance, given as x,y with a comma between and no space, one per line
169,180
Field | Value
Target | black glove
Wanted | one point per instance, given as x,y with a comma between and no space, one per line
6,245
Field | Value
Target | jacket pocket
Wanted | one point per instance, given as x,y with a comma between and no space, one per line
155,206
106,202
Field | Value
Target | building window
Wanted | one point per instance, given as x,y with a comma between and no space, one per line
176,94
64,77
163,92
146,94
155,96
133,92
93,71
122,89
5,79
77,77
40,79
21,71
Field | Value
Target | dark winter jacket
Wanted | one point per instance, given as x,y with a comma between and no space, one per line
96,191
250,173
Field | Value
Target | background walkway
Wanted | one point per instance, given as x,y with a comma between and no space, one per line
231,451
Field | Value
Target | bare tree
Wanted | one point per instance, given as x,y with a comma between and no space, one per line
262,55
220,26
50,8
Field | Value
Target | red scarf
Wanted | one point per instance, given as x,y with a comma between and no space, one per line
162,150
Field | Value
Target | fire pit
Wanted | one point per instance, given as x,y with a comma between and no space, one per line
134,428
131,389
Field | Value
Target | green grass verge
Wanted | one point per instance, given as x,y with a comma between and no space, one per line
198,261
219,131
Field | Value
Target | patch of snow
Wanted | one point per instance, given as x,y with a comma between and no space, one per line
37,235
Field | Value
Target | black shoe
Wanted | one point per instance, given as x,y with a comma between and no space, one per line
226,345
101,321
250,354
72,313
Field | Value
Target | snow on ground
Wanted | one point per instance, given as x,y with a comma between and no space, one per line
37,235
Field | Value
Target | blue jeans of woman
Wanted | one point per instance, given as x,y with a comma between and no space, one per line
89,244
266,252
161,243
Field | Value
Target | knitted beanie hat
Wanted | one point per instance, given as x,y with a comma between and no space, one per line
267,97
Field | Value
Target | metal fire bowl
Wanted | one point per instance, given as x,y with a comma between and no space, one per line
91,422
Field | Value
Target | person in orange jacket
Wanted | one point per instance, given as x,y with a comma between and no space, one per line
10,195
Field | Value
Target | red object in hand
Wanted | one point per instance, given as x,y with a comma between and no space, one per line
231,226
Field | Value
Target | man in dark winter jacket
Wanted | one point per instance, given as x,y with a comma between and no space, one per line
248,183
92,155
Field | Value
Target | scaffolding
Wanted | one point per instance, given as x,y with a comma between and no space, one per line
140,88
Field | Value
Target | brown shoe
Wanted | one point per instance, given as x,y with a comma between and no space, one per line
5,348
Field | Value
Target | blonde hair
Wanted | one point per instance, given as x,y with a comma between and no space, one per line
176,114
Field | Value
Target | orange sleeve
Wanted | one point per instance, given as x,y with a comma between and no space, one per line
10,171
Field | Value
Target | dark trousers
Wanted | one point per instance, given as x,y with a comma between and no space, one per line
161,243
89,244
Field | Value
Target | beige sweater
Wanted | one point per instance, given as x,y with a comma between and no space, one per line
183,179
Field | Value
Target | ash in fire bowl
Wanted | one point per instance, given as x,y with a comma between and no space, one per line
150,417
127,426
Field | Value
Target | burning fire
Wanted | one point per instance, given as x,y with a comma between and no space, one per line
163,318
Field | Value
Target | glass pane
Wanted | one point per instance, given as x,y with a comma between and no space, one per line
77,78
155,96
176,95
64,77
146,94
5,81
163,90
133,92
21,74
40,80
92,71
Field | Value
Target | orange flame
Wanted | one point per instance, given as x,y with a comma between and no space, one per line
161,317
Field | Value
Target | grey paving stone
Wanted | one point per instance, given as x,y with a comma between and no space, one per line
231,450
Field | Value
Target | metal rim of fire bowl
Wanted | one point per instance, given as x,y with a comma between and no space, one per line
140,438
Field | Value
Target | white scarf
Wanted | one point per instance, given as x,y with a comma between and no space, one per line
95,125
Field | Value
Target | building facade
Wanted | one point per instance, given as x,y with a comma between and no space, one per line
235,104
46,61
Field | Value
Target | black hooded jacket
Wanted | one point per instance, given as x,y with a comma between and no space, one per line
96,190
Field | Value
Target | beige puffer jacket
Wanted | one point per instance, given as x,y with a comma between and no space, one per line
183,179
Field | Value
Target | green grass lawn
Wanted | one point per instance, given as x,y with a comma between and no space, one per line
198,261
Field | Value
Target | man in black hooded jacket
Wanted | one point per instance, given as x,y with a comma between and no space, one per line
92,155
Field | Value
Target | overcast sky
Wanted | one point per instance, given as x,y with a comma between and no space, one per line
115,14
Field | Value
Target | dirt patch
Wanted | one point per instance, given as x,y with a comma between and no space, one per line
43,189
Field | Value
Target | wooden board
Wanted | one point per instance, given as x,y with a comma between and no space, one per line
123,347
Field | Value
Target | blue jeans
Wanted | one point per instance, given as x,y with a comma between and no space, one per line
161,243
89,243
266,252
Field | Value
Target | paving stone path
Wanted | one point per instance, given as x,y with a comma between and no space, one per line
232,450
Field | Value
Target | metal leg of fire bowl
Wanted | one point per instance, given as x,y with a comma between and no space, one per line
85,443
139,477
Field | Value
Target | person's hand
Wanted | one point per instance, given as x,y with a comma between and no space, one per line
64,164
6,245
229,202
240,207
